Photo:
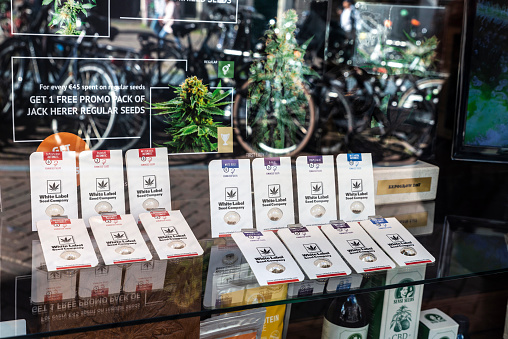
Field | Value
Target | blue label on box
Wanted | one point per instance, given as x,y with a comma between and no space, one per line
230,163
272,161
314,159
377,221
354,157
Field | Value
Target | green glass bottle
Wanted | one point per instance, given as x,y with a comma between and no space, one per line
346,318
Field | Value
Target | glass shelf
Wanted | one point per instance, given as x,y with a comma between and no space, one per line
117,296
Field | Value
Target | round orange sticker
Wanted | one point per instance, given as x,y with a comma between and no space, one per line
60,142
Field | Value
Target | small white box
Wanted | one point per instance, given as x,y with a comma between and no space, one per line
435,324
416,216
396,184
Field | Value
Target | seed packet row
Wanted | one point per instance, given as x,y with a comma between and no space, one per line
66,243
54,182
231,201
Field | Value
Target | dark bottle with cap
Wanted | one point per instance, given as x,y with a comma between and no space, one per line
346,318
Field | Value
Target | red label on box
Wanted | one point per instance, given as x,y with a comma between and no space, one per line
107,218
53,156
100,292
147,152
60,221
157,214
143,287
101,155
53,297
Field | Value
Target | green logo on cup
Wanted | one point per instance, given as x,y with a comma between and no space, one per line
355,336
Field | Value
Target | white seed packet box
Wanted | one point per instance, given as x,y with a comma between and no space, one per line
49,286
273,193
397,241
225,265
170,234
356,186
101,182
230,196
347,283
357,247
53,185
313,252
268,258
66,244
100,281
145,276
316,190
400,184
119,239
435,324
401,306
148,179
416,216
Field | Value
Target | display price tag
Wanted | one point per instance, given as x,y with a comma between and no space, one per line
100,281
230,196
53,185
273,193
119,239
66,244
268,258
357,247
102,184
313,252
397,241
148,179
47,286
356,186
316,189
170,234
146,276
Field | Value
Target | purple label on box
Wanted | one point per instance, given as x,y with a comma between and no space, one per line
272,161
230,163
253,234
314,159
298,229
340,226
354,157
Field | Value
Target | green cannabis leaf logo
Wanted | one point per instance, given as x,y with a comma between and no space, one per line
149,182
54,187
274,191
231,194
